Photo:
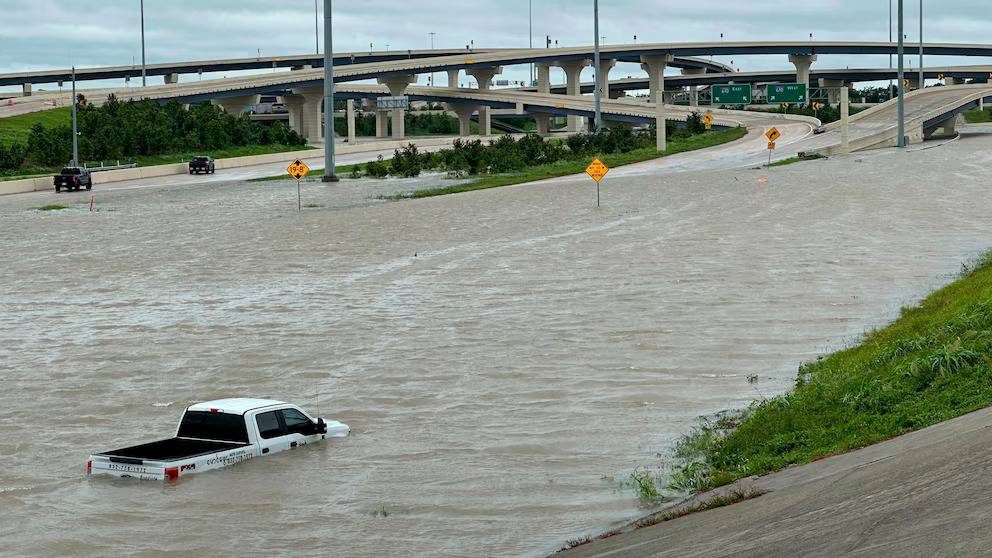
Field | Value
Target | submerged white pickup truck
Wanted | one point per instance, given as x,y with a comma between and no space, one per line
216,434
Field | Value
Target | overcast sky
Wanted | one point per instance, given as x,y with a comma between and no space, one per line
48,34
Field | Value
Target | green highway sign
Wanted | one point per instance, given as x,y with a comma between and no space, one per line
731,94
777,93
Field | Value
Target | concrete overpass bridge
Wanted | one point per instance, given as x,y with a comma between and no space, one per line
304,88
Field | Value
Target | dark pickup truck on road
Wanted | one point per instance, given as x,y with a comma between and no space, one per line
72,178
201,163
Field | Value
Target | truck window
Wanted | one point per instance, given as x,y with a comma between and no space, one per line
71,170
268,425
213,426
297,422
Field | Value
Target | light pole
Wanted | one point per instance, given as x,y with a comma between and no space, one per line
75,136
599,94
530,34
330,172
890,41
902,90
316,28
921,44
432,48
142,43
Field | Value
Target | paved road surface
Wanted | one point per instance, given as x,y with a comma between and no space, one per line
926,494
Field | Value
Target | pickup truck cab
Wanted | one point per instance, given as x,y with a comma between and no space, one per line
216,434
72,178
201,163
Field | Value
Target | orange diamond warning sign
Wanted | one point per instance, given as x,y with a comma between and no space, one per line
597,170
298,169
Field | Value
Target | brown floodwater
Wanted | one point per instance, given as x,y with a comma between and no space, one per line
505,357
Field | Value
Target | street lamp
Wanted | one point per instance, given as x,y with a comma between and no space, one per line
330,172
598,94
431,33
142,43
921,44
902,89
316,29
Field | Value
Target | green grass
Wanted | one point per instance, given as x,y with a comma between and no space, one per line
16,129
566,168
52,207
933,364
791,160
977,116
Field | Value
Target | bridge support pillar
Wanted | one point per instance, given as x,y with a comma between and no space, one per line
453,78
845,121
693,89
802,63
914,83
313,118
618,94
660,131
655,65
573,71
397,88
26,89
544,78
170,78
350,109
542,119
296,120
833,89
464,114
236,106
603,76
953,81
484,76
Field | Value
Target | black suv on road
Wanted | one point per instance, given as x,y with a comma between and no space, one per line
201,163
72,178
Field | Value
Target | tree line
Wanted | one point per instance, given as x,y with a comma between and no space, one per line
120,130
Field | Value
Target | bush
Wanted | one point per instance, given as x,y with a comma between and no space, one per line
406,163
377,168
13,157
694,123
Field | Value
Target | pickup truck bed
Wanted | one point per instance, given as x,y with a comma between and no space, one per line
173,448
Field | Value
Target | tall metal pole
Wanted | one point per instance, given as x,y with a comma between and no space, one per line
142,43
921,44
890,56
596,86
530,34
330,172
432,33
902,88
75,137
316,29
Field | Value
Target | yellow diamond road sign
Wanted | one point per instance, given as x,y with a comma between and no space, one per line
597,170
773,134
298,169
708,118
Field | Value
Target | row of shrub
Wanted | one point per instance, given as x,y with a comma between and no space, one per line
118,130
12,157
507,154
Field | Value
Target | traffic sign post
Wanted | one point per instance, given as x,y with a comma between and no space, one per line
597,170
772,135
731,94
708,119
298,169
786,93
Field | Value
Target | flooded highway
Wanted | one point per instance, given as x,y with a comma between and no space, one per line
504,357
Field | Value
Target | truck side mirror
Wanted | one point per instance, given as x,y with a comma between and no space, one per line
321,426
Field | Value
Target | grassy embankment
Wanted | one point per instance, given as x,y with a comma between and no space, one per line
562,168
933,364
566,168
16,129
977,116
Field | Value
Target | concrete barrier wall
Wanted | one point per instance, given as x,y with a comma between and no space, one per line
106,177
